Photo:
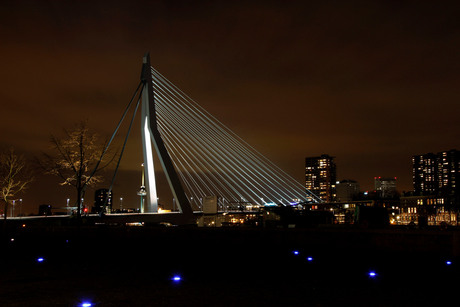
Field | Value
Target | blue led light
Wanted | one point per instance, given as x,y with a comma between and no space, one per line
309,258
448,262
86,304
295,252
40,259
372,274
176,278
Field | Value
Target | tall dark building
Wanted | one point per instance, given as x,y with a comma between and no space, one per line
320,177
100,197
347,190
385,186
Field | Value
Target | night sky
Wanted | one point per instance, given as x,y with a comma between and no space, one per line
369,82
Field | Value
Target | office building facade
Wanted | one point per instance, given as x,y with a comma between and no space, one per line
347,190
102,200
436,174
424,174
385,186
321,176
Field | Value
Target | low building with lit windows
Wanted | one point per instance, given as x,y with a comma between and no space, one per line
426,210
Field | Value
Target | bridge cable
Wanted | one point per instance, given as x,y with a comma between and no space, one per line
193,134
123,149
115,132
240,168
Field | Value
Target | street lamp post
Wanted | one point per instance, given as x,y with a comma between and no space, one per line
12,208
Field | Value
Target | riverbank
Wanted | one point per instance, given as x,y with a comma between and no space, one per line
116,266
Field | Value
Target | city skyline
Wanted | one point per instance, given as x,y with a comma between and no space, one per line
371,84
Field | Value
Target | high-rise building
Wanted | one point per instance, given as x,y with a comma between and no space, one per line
436,187
424,174
437,174
320,177
449,172
102,198
385,187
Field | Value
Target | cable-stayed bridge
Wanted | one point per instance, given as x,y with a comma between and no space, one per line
201,156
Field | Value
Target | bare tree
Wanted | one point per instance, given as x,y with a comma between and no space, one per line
77,160
14,177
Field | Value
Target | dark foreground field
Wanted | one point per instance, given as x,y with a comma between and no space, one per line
115,266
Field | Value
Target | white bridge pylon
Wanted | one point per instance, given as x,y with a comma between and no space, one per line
151,204
151,136
210,159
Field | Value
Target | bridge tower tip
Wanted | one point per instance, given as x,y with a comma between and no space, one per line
146,58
